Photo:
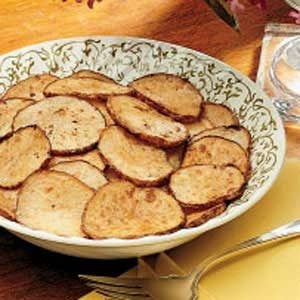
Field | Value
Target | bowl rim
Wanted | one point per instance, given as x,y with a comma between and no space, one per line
183,233
293,4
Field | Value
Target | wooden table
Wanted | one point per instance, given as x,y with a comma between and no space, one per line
29,273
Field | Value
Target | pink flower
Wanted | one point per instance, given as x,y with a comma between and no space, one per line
236,6
295,15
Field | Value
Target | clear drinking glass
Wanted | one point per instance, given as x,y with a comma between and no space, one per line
285,76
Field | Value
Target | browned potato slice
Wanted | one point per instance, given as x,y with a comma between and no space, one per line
101,106
145,122
112,175
121,210
83,171
93,157
217,151
204,186
198,126
170,95
85,88
8,110
197,218
238,134
219,115
53,202
31,87
92,74
22,154
175,156
140,163
8,203
72,125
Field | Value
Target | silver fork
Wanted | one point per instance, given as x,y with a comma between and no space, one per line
181,288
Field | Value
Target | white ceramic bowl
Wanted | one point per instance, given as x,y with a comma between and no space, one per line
126,59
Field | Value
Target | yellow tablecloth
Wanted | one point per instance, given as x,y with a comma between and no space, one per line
269,273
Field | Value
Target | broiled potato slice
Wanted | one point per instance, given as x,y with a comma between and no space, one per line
85,88
53,202
8,203
238,134
171,95
72,125
8,110
198,126
203,186
145,122
31,88
112,175
92,74
219,115
140,163
83,171
197,218
217,151
175,156
93,157
101,106
22,154
120,210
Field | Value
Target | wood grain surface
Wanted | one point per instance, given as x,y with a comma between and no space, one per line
30,273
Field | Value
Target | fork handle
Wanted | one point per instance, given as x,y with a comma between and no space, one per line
284,232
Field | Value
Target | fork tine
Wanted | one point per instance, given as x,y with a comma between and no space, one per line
110,295
119,286
118,296
119,282
119,291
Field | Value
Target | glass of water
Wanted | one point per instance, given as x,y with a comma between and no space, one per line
285,76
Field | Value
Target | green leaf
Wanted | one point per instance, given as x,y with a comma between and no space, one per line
221,8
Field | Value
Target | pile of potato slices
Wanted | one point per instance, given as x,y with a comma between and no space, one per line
83,156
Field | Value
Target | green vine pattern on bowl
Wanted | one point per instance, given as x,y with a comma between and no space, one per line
126,59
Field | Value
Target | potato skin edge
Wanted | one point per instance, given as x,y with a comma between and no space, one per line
140,183
162,109
247,174
151,140
44,164
96,237
214,202
216,210
72,151
45,170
